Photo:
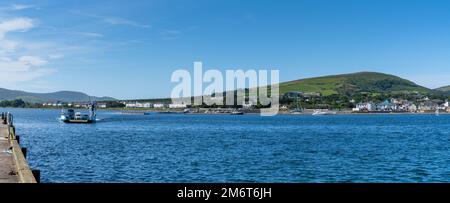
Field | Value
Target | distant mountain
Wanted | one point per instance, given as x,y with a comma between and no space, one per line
445,89
63,96
349,84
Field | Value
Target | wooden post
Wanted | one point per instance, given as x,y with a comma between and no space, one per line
24,152
37,175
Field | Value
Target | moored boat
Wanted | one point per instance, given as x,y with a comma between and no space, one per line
298,109
321,113
236,112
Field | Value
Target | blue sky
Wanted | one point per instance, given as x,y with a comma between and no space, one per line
129,49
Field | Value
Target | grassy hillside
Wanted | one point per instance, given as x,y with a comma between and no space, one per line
444,89
350,84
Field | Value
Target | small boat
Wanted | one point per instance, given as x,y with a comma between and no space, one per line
169,112
296,111
70,116
236,112
133,113
320,113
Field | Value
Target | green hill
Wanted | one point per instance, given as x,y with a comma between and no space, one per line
350,84
63,96
444,89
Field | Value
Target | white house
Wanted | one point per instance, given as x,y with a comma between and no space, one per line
447,106
428,106
176,106
368,106
159,105
411,107
147,105
248,105
138,105
131,105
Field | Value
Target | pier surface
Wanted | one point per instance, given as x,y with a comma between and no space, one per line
13,165
8,171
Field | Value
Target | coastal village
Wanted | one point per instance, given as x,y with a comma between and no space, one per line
400,105
392,105
361,92
395,105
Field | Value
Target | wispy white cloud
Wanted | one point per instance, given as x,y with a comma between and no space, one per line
88,34
17,24
10,78
170,34
19,7
55,56
7,46
32,60
122,21
25,68
16,66
113,20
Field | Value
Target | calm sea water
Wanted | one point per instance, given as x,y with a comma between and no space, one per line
249,148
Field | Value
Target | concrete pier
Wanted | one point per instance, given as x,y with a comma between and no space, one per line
13,165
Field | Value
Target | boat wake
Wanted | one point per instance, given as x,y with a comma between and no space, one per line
120,119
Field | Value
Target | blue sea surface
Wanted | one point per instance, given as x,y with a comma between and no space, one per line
178,148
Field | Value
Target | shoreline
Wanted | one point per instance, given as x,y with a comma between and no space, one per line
180,111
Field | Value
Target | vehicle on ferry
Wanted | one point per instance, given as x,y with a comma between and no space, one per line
70,116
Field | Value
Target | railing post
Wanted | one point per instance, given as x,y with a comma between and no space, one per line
4,119
10,119
24,151
37,175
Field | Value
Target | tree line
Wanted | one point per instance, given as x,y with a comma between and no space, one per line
16,103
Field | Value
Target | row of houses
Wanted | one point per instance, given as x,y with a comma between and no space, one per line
396,105
128,104
74,105
135,104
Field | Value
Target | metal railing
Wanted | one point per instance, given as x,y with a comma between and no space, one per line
25,174
7,119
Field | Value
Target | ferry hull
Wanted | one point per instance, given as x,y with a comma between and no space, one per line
78,121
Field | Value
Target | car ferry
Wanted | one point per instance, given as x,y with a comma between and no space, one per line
70,116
